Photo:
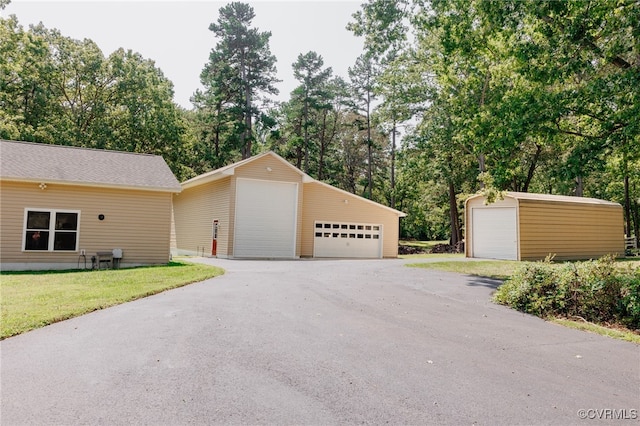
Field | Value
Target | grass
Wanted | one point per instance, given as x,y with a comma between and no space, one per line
500,269
427,245
431,256
33,299
613,331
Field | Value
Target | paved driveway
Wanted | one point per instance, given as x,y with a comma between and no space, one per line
317,342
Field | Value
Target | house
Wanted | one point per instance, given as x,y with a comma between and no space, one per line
61,205
264,207
525,226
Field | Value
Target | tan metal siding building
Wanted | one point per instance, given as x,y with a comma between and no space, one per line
264,207
107,212
526,226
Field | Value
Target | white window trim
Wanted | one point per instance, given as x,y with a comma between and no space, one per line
52,230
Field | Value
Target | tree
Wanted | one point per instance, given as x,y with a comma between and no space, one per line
311,94
363,75
25,99
55,89
541,93
240,69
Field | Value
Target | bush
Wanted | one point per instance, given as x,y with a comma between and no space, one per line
596,291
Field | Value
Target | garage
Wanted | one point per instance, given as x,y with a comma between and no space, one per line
265,207
349,240
494,233
524,226
266,215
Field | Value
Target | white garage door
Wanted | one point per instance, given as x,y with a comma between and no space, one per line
266,217
494,233
339,239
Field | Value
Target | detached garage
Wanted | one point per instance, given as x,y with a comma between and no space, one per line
264,207
526,226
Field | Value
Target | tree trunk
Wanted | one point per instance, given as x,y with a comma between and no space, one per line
532,168
323,146
306,133
481,159
627,206
579,190
393,166
247,123
453,215
635,213
369,148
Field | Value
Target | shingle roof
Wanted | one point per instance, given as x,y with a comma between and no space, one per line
36,162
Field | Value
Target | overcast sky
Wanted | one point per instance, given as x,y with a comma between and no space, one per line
175,33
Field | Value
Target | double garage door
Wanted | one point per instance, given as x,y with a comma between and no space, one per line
341,239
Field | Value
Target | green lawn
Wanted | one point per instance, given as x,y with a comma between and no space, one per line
501,269
427,245
30,300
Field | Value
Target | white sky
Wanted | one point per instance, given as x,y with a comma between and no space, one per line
175,34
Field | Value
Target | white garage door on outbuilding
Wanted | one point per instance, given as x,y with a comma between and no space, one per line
265,218
355,240
495,233
526,226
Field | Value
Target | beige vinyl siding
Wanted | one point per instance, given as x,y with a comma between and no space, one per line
322,203
136,221
194,210
259,169
570,231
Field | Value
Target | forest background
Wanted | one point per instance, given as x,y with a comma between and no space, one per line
447,98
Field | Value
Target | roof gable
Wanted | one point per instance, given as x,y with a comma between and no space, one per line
37,162
230,169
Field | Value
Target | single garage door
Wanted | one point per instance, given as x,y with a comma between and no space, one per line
340,239
494,233
266,217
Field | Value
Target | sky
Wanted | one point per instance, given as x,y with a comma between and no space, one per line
175,34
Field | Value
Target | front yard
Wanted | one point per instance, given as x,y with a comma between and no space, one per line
29,300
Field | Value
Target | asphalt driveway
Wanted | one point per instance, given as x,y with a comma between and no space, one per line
317,342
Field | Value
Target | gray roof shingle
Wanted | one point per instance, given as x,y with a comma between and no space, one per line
36,162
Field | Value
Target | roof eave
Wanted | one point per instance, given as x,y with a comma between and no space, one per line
175,189
207,178
366,200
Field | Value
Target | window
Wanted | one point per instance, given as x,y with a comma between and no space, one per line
50,230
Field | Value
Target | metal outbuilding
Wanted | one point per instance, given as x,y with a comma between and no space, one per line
524,226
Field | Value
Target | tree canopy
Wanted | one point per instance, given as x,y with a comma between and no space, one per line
448,97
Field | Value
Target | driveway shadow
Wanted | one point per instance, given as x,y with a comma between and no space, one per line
477,281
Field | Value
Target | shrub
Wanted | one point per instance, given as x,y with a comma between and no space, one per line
630,303
596,291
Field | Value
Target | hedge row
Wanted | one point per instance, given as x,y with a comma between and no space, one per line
598,291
